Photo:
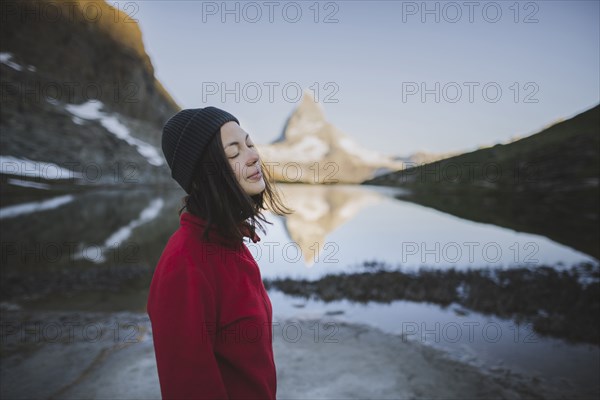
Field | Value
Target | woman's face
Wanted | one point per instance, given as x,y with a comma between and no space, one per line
243,158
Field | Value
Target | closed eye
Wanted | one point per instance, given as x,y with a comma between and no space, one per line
249,146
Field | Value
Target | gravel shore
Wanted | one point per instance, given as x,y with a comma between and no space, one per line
83,355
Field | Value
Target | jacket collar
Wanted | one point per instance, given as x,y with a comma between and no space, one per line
195,221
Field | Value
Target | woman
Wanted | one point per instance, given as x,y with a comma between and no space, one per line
211,315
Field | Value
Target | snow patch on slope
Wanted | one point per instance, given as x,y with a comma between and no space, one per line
307,149
353,148
91,111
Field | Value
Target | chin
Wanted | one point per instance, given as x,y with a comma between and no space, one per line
255,189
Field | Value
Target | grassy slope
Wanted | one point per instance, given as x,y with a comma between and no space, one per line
546,183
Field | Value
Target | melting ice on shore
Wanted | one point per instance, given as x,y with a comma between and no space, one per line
28,208
35,169
118,237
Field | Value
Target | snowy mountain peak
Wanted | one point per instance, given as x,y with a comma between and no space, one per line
323,153
307,118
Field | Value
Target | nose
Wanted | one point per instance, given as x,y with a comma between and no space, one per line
253,158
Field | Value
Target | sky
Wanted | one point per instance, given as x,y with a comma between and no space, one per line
396,76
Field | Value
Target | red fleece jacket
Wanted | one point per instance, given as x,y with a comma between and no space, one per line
211,319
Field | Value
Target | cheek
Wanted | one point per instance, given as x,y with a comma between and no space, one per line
235,167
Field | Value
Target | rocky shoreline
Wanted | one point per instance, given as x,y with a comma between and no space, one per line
558,303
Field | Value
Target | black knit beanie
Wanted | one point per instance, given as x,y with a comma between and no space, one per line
185,137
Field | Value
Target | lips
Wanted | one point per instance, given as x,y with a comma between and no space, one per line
255,175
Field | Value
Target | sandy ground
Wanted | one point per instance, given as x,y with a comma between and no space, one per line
68,355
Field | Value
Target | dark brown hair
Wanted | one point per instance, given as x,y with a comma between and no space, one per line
217,197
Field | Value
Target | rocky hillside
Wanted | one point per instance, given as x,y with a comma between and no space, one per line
79,97
312,150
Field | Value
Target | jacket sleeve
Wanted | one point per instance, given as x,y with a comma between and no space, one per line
184,330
